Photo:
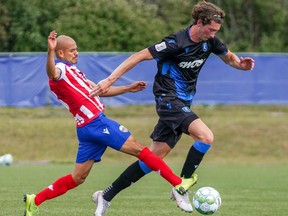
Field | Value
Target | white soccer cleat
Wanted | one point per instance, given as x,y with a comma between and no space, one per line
101,204
182,201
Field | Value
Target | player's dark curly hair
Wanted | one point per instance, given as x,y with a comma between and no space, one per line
207,12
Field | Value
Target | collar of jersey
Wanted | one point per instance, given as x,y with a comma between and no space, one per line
64,62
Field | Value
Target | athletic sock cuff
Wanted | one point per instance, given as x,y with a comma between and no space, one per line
71,182
144,167
201,146
143,154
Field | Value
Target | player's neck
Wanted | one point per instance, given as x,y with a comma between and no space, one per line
194,34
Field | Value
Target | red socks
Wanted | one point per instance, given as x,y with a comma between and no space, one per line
59,187
157,164
65,183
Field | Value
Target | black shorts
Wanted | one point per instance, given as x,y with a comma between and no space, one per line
175,117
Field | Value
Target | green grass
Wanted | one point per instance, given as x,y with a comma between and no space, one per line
243,134
247,164
246,190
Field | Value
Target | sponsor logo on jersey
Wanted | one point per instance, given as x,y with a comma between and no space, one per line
204,46
193,64
78,118
123,129
161,46
186,109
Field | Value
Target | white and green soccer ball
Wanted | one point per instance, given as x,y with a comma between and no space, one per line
207,200
6,160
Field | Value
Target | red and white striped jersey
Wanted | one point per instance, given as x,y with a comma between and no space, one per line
72,90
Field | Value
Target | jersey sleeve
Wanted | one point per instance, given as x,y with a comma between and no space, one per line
167,47
219,48
61,67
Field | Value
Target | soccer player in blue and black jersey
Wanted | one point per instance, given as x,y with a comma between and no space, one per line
179,58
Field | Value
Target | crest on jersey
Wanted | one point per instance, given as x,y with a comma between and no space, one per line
204,46
123,129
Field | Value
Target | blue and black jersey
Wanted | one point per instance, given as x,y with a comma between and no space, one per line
179,61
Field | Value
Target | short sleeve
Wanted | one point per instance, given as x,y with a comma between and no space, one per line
219,48
164,49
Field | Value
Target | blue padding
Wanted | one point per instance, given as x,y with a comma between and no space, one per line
144,167
218,83
201,147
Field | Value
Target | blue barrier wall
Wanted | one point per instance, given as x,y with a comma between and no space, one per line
23,80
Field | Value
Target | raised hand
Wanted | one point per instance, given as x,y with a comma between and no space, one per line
52,42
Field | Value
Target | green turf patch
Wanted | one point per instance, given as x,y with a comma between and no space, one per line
254,190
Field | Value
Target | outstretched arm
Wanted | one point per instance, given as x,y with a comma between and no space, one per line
241,63
102,87
52,72
117,90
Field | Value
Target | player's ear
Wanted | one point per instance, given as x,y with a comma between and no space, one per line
199,23
59,53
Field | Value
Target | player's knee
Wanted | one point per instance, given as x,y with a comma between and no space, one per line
132,147
160,149
79,179
209,139
206,138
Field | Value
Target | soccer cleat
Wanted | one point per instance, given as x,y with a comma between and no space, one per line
186,184
31,208
180,193
182,201
101,204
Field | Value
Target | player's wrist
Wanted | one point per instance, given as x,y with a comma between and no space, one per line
110,80
49,51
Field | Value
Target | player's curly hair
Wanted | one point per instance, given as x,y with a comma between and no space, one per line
207,12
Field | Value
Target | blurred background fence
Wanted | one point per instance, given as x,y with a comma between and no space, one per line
23,80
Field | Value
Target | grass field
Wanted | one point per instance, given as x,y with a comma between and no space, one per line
253,190
243,134
247,164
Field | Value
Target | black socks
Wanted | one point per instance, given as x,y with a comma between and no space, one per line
193,159
132,174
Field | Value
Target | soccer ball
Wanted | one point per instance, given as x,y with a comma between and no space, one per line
206,200
6,159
